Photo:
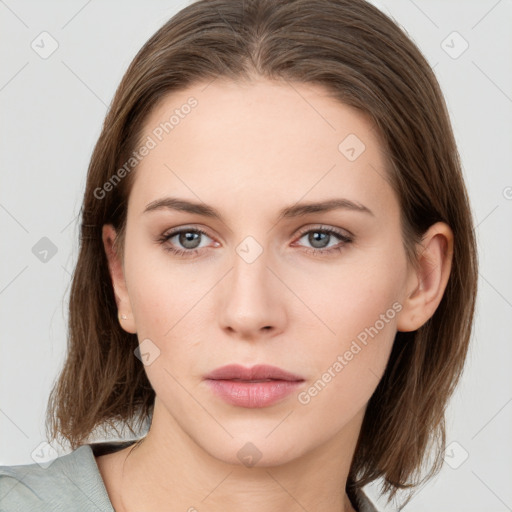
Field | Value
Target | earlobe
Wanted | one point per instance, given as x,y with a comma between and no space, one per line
116,270
427,283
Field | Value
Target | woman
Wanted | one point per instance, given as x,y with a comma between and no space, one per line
277,271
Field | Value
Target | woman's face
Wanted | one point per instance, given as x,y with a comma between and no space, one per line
266,280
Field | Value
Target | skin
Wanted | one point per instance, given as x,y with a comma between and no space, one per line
250,150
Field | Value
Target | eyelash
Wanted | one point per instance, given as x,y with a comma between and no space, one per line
192,252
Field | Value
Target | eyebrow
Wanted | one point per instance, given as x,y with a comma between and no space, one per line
296,210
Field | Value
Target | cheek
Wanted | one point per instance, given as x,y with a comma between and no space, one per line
161,291
361,292
348,371
361,313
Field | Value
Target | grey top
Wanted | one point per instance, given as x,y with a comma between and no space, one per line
73,482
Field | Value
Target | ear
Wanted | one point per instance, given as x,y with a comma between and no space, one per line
427,283
116,269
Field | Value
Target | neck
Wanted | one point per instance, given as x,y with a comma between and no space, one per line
173,472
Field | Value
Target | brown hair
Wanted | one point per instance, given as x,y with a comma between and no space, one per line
363,59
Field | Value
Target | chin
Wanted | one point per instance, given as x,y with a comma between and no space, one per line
255,451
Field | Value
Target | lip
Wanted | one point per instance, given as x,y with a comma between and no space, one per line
258,372
254,387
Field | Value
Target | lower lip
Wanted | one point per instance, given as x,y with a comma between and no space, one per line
253,394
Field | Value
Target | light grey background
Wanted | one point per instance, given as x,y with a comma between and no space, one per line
52,110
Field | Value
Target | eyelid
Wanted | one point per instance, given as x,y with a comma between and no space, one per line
167,235
345,237
322,227
174,231
303,230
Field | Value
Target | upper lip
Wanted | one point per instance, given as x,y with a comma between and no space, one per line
258,372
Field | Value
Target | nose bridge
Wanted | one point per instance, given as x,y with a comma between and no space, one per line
250,300
249,250
250,273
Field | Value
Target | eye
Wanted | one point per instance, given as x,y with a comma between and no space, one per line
320,238
189,238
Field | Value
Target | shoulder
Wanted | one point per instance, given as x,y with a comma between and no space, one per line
69,482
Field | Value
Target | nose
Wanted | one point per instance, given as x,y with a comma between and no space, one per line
251,297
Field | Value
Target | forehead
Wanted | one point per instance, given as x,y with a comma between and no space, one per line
259,140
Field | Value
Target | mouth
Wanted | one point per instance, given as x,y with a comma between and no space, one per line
255,387
260,372
242,380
